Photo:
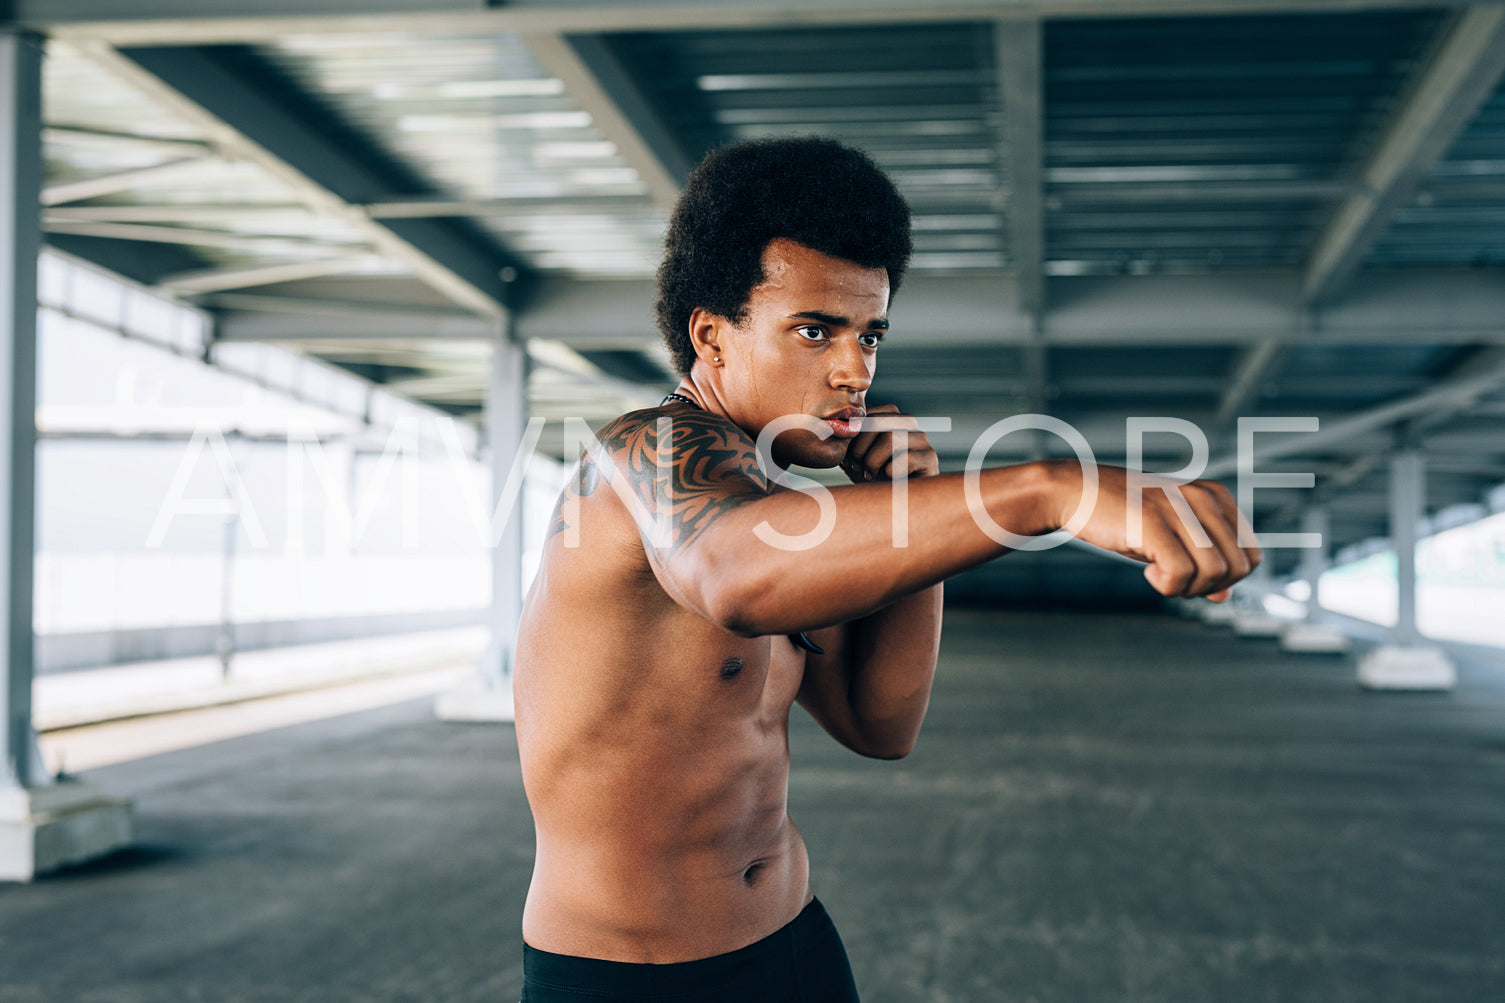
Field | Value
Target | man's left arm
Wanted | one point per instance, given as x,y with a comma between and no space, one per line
871,686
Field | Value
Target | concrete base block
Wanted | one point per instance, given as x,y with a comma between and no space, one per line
1314,639
1410,668
475,700
68,822
1257,624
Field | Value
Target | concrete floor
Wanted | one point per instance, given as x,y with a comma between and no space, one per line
1110,807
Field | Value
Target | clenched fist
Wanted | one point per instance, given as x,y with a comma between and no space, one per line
888,447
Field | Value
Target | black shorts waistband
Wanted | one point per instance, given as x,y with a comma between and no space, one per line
606,978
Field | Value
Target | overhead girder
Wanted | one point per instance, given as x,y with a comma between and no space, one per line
1466,65
600,85
1419,306
205,22
248,121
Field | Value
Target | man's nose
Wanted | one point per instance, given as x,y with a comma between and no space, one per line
850,370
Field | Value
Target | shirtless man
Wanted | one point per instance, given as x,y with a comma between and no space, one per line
666,639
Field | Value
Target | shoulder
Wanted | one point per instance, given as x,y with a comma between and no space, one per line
695,424
699,444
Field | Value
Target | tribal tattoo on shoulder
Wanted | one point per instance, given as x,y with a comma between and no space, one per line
676,474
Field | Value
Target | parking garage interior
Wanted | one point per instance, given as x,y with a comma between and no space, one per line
300,304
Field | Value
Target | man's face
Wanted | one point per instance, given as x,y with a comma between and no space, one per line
808,345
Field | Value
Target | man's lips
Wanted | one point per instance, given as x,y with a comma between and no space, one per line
846,423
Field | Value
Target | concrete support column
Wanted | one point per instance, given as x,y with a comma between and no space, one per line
20,243
1313,635
506,421
1405,661
1408,499
488,696
1314,561
1250,618
44,823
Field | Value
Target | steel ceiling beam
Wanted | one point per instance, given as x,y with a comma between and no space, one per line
105,139
269,246
1484,374
220,279
264,318
209,214
343,309
598,83
1253,368
202,22
522,207
91,188
246,122
978,309
1467,62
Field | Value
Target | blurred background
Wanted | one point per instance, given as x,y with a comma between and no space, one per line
274,227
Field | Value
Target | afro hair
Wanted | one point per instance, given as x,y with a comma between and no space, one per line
816,192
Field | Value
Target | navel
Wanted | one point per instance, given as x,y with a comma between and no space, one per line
731,668
750,876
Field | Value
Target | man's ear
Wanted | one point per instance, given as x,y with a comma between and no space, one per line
707,330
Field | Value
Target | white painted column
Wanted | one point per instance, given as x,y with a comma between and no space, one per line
1408,497
45,823
1314,635
1250,619
1406,661
1314,560
488,696
506,421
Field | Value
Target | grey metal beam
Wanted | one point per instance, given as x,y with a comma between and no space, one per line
1481,360
193,237
105,139
1253,368
168,214
1413,307
90,188
265,318
1077,195
598,83
1020,92
574,205
20,242
1485,374
1466,64
979,309
181,22
245,122
219,279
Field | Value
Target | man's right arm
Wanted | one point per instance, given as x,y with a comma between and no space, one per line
701,499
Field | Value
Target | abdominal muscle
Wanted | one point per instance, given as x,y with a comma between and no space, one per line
629,869
660,911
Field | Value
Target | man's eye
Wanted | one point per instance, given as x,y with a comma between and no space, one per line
811,333
871,340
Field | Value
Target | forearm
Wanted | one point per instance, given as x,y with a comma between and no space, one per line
754,587
892,668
